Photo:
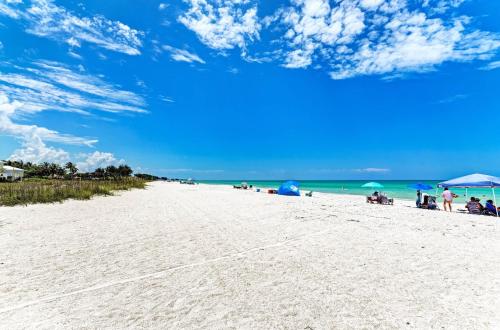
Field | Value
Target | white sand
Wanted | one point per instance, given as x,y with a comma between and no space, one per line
197,257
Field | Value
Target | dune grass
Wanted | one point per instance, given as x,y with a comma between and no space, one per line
34,191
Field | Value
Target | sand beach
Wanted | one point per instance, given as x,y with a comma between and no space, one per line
210,257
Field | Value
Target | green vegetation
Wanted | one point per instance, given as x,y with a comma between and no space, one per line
51,182
34,191
148,177
69,171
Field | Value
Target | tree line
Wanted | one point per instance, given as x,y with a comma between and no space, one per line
69,170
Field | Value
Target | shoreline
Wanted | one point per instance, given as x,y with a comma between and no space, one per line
400,201
394,188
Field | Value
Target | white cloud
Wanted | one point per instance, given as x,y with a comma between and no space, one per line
222,24
453,98
33,142
371,4
140,83
181,55
166,99
45,19
372,170
366,37
313,26
36,151
32,137
91,161
491,66
441,6
162,6
12,109
188,170
52,86
6,8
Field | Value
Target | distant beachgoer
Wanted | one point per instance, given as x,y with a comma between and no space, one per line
491,207
425,203
419,198
447,198
478,201
431,202
473,206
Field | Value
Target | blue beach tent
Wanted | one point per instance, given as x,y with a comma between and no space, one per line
289,188
474,181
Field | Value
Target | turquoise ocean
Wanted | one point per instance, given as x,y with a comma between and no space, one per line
393,188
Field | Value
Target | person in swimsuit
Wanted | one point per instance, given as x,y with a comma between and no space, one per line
447,198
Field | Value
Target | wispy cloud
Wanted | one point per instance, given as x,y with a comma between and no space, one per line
453,98
45,19
491,66
372,170
350,170
181,55
33,137
166,99
34,147
184,170
45,85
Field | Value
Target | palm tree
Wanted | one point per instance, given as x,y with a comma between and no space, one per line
45,169
55,169
111,171
99,173
124,170
71,168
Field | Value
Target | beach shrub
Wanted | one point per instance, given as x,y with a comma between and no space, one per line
35,191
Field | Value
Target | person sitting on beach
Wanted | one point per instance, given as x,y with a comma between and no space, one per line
481,207
491,208
373,198
425,203
432,205
473,206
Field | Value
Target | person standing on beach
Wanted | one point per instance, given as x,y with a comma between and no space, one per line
419,198
447,198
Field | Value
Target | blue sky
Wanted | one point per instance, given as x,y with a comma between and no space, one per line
219,89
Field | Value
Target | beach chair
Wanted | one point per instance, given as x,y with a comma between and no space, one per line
429,203
432,205
489,213
374,198
384,200
380,199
